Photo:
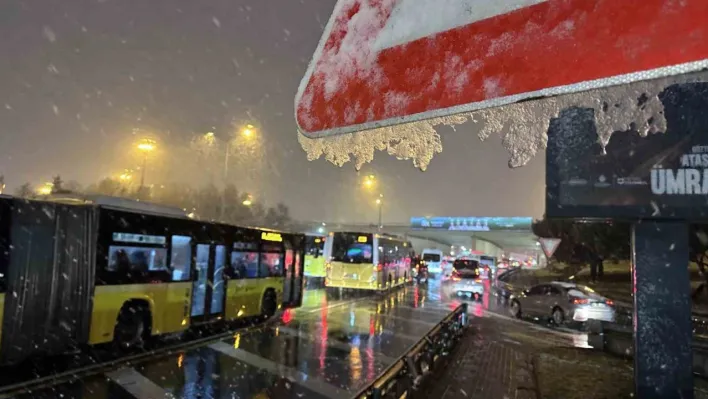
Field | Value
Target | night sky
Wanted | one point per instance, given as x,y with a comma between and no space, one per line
78,77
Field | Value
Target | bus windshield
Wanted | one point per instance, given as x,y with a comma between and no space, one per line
352,248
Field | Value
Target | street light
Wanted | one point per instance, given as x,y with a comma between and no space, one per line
146,146
248,201
369,181
126,176
379,203
46,189
248,130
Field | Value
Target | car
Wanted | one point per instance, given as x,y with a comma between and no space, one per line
466,279
562,302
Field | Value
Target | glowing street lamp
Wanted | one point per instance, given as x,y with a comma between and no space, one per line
248,201
126,176
248,131
146,146
369,181
45,189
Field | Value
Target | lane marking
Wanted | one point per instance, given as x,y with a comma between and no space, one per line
424,322
136,384
443,312
312,383
334,343
400,335
339,304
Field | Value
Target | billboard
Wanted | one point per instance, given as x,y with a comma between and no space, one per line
472,224
662,175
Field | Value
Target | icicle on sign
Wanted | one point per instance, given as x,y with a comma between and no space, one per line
660,176
549,245
387,62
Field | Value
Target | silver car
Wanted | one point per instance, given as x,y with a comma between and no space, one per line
562,302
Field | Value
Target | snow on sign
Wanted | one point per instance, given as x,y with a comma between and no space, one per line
549,245
387,62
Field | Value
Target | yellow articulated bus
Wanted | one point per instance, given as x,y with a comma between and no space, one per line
367,261
96,273
314,257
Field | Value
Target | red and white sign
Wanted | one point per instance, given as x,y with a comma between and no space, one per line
549,245
385,62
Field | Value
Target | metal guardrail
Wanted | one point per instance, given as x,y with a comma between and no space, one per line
408,372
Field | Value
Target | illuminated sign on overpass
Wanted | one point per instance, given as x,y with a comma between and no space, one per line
472,224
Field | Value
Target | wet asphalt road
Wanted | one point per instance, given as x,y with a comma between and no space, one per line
331,347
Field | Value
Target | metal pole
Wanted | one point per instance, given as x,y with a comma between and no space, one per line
380,208
226,162
142,172
663,330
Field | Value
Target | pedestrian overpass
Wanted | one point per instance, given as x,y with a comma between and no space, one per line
489,235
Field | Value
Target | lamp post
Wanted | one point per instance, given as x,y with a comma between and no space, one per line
379,203
247,132
146,146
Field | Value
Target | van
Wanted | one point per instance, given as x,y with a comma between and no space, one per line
433,258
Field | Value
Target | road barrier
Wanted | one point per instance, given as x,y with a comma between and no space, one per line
409,371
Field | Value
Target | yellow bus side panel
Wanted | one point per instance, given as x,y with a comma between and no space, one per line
365,276
168,303
244,297
347,275
315,267
2,311
175,316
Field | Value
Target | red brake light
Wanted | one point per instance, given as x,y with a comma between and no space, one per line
580,301
609,302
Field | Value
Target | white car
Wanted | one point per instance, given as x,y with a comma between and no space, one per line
466,281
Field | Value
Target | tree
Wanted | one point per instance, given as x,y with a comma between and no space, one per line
277,217
109,187
697,253
57,185
25,191
73,186
581,242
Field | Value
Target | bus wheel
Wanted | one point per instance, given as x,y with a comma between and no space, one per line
132,327
269,304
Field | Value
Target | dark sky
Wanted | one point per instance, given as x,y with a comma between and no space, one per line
77,77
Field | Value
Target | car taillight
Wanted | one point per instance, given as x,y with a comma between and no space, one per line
580,301
609,302
455,276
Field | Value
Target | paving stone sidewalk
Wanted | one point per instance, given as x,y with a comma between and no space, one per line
484,366
509,359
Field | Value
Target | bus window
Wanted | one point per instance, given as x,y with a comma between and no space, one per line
314,246
181,258
271,260
244,260
351,248
390,252
135,263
